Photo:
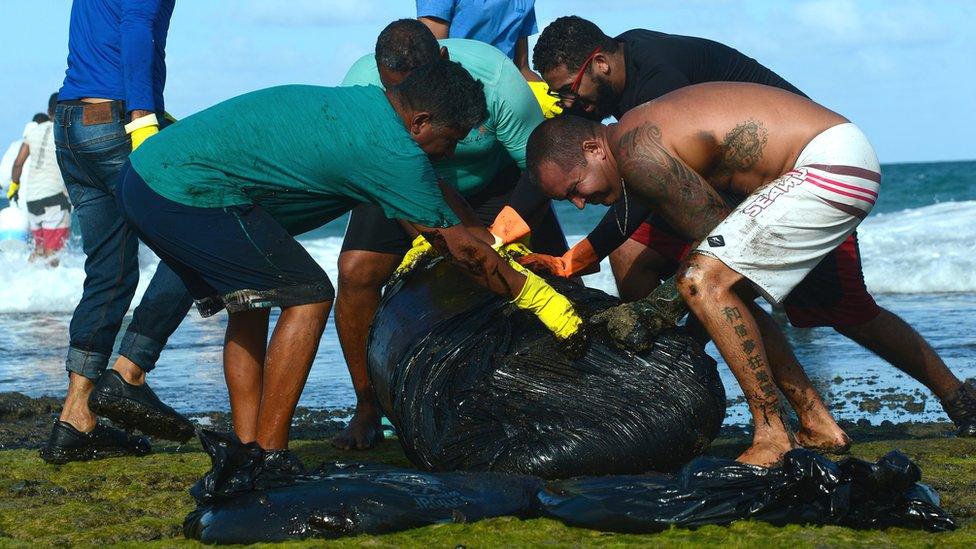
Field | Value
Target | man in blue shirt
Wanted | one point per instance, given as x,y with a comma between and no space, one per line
505,24
111,101
502,23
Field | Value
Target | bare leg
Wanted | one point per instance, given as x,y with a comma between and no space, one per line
289,358
636,269
75,410
361,277
244,353
818,429
706,285
891,338
130,371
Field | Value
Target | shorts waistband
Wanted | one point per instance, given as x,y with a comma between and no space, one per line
843,144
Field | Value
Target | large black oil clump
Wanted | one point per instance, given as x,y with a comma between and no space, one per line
472,383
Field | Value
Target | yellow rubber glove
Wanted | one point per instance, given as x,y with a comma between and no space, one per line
142,134
12,191
547,102
141,129
513,251
419,249
551,307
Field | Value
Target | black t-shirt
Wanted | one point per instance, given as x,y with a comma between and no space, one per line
657,63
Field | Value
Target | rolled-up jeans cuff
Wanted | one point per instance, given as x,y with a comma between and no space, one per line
142,350
89,364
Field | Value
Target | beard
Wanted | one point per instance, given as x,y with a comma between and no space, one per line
606,101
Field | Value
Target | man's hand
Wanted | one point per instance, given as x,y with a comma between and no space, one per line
578,260
634,326
549,104
13,191
419,249
545,264
141,128
554,310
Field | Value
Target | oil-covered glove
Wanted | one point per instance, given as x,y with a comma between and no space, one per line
419,249
508,227
580,259
549,104
552,308
634,326
13,191
141,129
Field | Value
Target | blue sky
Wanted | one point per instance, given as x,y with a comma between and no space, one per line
902,70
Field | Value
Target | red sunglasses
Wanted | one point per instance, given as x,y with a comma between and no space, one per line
572,94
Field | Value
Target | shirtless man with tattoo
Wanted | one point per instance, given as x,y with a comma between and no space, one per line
809,177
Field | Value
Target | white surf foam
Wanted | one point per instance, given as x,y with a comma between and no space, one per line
922,250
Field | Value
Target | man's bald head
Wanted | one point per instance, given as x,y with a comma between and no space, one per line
559,140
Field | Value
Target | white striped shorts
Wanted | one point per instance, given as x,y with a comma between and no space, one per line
783,229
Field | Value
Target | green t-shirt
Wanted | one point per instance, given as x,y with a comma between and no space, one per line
306,154
513,113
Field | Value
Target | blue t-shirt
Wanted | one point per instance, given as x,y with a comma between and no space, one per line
497,22
116,50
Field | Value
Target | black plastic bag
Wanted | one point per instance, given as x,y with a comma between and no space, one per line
472,383
346,500
808,489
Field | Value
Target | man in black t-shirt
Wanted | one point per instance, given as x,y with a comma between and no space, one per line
597,76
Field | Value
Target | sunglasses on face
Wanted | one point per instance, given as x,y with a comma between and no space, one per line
571,92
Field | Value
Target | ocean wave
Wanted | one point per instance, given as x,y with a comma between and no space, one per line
921,250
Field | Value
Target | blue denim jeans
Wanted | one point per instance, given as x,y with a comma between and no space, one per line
90,154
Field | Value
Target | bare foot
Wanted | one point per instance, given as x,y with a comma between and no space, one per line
835,441
362,433
764,454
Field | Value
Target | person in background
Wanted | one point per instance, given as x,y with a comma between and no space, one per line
505,24
485,168
110,103
274,163
43,193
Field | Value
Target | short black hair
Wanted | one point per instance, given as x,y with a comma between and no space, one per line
448,92
558,140
406,44
52,103
40,117
569,41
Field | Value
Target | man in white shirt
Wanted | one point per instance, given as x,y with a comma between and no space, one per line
43,193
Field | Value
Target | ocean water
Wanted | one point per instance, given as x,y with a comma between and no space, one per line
919,253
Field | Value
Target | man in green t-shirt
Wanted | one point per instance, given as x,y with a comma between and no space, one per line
219,195
484,169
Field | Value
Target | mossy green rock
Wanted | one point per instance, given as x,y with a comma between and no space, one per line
139,501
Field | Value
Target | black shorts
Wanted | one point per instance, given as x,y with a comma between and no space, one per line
370,230
236,257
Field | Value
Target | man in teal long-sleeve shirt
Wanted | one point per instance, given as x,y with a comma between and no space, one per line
485,168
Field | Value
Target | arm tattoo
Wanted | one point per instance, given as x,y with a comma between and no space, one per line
741,149
672,188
